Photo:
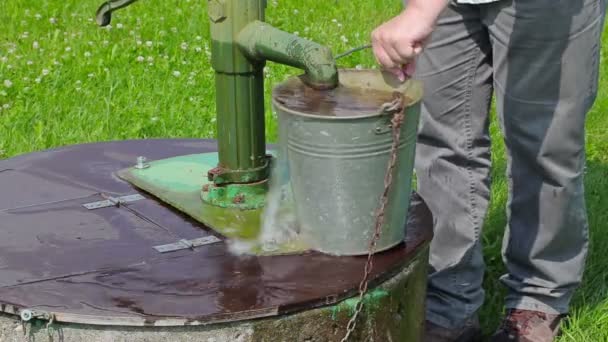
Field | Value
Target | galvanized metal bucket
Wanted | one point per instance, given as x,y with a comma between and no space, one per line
337,166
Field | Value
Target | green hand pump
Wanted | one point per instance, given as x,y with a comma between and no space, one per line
241,43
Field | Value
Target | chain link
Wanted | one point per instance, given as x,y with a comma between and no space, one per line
396,121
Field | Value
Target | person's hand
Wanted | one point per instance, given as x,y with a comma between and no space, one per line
397,42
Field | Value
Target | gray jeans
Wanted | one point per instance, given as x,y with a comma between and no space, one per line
540,58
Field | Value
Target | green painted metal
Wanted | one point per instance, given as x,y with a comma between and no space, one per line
240,45
177,182
239,86
337,166
261,42
243,196
104,13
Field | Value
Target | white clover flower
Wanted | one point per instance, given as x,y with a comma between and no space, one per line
3,59
176,73
6,106
68,49
26,79
38,80
184,46
295,11
140,58
35,45
344,39
149,43
38,16
45,72
29,63
199,38
53,20
87,54
198,49
119,26
91,75
138,42
162,33
150,59
3,93
90,43
8,83
334,20
174,29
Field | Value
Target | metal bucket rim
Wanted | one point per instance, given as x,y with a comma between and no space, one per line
410,86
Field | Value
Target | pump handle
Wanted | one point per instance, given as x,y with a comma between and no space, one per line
104,12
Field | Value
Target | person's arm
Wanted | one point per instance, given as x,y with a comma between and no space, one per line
398,41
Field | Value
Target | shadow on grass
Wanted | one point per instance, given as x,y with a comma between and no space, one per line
590,304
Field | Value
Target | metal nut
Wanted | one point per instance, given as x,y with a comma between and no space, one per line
216,10
142,163
26,315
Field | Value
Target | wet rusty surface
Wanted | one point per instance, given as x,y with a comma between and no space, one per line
57,256
341,101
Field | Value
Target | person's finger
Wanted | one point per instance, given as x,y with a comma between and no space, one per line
406,52
382,58
393,54
398,72
410,68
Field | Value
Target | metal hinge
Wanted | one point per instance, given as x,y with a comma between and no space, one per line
186,244
113,201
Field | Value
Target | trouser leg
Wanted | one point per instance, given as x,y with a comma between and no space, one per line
453,160
545,57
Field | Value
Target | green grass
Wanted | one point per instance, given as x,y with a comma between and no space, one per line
65,81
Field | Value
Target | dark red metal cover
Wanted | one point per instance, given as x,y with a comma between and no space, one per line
100,267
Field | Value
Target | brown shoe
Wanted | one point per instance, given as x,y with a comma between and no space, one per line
469,332
528,326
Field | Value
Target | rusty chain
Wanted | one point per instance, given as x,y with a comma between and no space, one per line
396,106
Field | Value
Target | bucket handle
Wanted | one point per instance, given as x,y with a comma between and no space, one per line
388,109
394,106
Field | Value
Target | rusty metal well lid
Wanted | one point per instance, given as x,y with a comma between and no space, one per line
68,250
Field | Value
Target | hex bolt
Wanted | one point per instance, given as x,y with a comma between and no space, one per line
141,163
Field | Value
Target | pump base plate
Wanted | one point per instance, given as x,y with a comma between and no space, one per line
178,181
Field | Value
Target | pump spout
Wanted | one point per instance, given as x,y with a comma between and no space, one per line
260,41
